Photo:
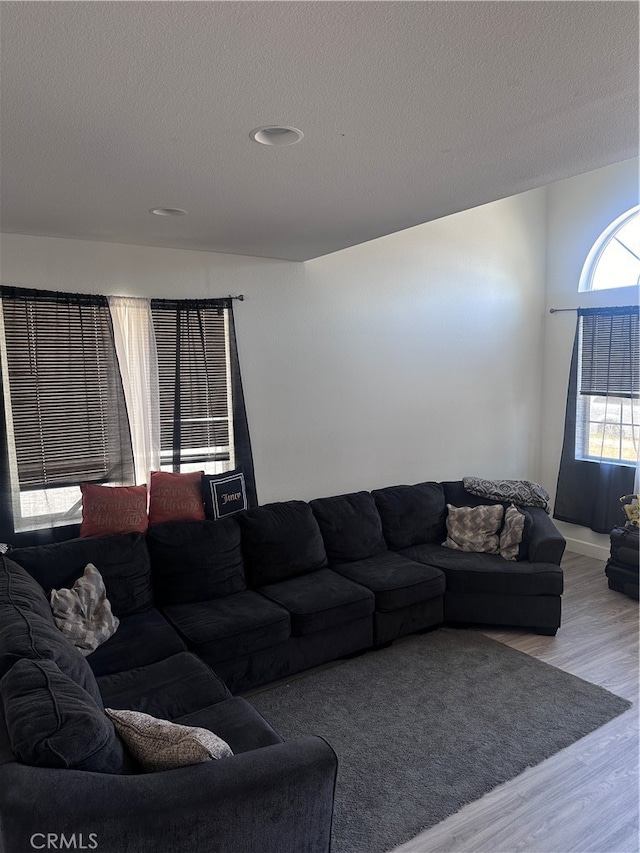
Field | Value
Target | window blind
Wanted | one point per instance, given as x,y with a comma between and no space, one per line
65,397
194,380
609,363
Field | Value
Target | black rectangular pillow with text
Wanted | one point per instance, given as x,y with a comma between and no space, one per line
223,494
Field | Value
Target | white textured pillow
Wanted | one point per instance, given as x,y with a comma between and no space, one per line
512,533
474,528
161,745
83,613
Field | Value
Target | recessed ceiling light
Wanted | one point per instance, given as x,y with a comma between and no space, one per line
275,134
168,211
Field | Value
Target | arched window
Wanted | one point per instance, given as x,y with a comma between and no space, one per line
614,259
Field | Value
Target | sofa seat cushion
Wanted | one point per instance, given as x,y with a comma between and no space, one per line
122,560
140,639
280,541
489,573
167,689
412,515
320,601
395,581
19,589
230,627
351,526
28,635
236,722
195,560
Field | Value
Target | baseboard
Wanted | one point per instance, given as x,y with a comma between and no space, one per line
582,540
587,549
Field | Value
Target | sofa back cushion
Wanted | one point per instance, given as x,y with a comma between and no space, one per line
52,722
20,589
412,515
122,560
351,526
280,541
6,753
195,560
27,635
456,495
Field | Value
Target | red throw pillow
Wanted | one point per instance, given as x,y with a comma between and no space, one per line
113,509
175,497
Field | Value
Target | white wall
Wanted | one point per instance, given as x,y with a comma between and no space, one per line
578,211
435,359
84,266
415,356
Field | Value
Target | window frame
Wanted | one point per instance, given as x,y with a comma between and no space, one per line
587,275
584,421
595,391
22,490
223,384
214,458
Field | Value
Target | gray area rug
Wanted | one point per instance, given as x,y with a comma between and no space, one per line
430,724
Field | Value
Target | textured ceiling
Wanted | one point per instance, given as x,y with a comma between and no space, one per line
410,111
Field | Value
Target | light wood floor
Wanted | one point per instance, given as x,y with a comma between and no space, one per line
585,798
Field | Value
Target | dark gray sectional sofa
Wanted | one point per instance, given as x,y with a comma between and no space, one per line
270,795
210,609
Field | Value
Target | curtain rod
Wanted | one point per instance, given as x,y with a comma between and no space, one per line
240,297
595,309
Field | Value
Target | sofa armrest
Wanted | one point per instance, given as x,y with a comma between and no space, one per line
279,798
546,543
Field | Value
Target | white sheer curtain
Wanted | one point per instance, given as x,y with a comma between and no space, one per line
138,360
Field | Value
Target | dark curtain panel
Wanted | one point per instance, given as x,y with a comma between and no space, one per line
195,386
244,456
63,412
589,492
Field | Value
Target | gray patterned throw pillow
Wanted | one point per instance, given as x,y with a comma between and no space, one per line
161,745
474,528
511,533
83,613
522,492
